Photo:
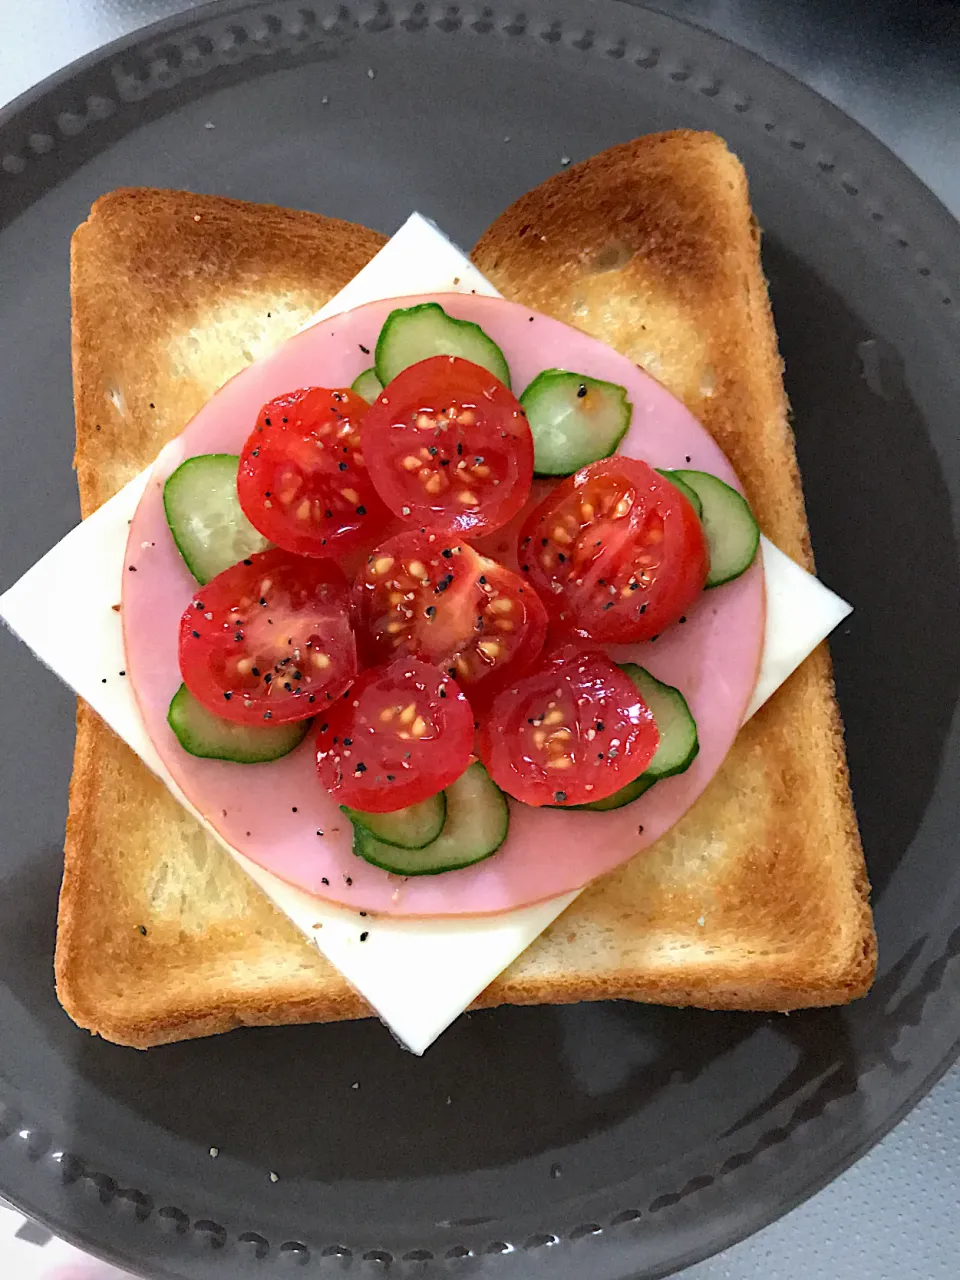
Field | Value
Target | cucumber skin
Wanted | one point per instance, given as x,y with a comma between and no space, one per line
183,702
544,378
366,846
689,478
681,486
201,577
357,816
380,355
362,385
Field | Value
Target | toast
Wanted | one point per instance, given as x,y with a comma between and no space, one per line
757,899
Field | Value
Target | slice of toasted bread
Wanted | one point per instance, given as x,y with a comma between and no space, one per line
757,899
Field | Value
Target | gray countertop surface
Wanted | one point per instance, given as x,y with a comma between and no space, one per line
894,67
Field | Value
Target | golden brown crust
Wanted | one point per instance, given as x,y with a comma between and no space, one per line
757,899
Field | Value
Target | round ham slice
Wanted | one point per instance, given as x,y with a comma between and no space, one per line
278,814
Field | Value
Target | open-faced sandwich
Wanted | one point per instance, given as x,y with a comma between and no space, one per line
448,613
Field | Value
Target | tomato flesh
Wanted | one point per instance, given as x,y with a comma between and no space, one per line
507,638
616,552
418,593
403,732
573,731
449,446
431,596
303,482
269,640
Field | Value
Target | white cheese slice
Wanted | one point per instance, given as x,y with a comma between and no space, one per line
419,975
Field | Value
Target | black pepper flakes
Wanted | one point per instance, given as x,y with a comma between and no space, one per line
560,797
364,936
581,390
342,466
324,880
365,350
143,930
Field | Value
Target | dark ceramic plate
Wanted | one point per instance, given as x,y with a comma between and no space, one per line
609,1140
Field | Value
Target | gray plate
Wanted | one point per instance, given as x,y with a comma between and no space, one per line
610,1140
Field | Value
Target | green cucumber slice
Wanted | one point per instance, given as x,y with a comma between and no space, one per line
204,514
476,825
732,533
410,828
412,334
691,495
574,420
679,743
204,734
367,385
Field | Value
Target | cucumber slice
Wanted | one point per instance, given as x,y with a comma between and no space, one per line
410,828
691,495
475,827
411,334
732,533
204,734
679,743
574,420
367,385
205,517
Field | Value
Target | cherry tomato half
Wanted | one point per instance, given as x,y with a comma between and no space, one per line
302,480
616,552
572,731
507,638
418,593
449,447
269,639
402,733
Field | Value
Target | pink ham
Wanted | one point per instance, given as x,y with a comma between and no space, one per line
278,814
